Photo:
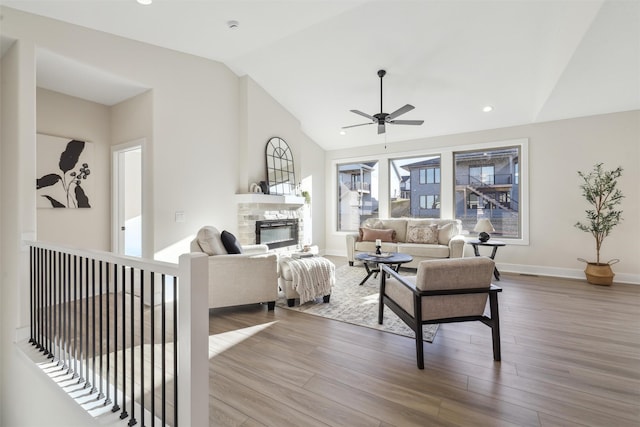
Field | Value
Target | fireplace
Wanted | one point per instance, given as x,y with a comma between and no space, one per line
277,233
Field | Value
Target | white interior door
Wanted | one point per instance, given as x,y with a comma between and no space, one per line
127,212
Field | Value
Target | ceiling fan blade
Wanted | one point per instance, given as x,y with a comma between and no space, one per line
381,128
399,111
406,122
352,126
363,115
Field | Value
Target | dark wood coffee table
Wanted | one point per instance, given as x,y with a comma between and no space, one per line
394,259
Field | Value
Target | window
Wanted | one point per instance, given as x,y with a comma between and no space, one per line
487,186
414,187
481,175
357,194
430,176
430,202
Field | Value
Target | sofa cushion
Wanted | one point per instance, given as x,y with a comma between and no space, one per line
371,234
446,232
419,232
230,243
421,250
399,225
210,241
371,247
373,223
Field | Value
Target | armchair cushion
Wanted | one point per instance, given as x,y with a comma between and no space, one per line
230,243
454,273
210,241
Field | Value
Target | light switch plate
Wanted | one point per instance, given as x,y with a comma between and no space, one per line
180,217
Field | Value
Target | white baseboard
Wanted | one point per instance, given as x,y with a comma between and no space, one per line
569,273
541,270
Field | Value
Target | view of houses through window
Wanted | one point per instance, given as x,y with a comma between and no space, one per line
487,186
357,194
414,187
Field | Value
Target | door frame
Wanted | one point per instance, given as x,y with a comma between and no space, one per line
116,192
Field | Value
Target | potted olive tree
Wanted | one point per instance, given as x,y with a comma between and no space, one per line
599,188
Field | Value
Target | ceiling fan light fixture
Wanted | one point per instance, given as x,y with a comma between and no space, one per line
382,118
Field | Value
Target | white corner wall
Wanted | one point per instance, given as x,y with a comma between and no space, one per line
557,150
74,118
132,121
263,118
195,123
21,382
191,121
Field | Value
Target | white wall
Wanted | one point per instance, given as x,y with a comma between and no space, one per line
190,119
22,383
195,122
263,118
132,122
74,118
556,151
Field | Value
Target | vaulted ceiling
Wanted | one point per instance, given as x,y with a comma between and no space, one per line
532,61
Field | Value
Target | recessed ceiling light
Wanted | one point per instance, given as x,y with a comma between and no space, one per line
145,2
487,108
342,132
233,25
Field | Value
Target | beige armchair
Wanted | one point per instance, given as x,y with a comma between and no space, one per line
238,279
443,291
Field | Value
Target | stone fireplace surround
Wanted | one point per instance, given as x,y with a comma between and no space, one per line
256,207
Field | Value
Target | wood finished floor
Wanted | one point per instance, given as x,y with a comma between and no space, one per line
570,357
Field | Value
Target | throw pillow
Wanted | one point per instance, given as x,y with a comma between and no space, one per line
422,234
371,234
210,241
230,243
445,233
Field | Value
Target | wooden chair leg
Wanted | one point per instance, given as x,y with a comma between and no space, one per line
419,346
381,297
417,328
495,327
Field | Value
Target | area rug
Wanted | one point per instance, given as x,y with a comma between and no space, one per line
357,305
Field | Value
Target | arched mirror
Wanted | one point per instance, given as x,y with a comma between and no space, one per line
281,177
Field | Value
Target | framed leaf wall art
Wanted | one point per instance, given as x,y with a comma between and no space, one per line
63,169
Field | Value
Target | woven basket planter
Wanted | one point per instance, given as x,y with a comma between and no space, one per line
599,274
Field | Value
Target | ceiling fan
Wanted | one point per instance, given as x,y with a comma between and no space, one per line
383,118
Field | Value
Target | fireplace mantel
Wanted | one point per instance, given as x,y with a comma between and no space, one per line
269,199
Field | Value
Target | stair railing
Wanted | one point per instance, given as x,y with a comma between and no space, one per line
132,332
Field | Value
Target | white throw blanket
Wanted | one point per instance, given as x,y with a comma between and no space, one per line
312,277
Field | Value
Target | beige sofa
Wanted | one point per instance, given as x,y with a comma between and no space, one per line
238,279
409,236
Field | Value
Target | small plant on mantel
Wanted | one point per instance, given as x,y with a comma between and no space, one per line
307,197
599,188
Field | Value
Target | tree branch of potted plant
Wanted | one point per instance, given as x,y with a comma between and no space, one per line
599,188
